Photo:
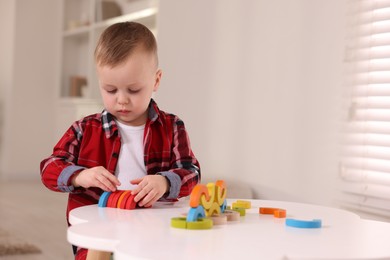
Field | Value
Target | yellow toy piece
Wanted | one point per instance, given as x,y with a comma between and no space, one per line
242,211
179,222
203,223
221,191
208,202
242,204
215,209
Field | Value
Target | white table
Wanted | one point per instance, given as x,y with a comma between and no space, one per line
147,234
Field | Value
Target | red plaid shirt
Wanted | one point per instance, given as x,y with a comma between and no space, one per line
95,141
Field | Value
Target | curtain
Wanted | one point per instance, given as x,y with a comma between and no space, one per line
365,165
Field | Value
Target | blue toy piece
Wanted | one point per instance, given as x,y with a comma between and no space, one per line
315,223
196,213
223,206
103,199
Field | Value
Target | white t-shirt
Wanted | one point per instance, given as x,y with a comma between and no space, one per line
131,163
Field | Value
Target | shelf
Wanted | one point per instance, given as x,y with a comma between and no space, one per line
82,27
77,101
135,16
80,31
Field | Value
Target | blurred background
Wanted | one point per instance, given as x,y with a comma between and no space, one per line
258,84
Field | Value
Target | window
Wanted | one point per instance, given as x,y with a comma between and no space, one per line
365,168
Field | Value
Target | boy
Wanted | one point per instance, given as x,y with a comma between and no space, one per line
131,145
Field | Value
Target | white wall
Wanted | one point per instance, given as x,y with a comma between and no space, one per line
30,87
258,84
6,49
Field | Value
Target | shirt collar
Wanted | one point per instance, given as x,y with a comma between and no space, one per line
110,127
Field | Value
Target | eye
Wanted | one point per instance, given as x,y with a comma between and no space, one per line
134,91
111,91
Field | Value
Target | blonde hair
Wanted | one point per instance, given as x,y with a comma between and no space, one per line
119,41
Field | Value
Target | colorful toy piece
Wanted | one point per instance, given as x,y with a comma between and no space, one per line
197,194
278,213
242,204
195,213
242,211
315,223
231,215
215,209
202,223
103,199
119,199
207,202
219,219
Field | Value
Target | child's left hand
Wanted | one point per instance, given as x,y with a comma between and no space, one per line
150,188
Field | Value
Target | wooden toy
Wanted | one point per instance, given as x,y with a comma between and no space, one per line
219,219
221,192
130,203
109,201
195,213
207,203
315,223
242,211
215,209
103,199
278,213
242,204
224,206
231,215
126,196
114,201
121,199
197,192
202,223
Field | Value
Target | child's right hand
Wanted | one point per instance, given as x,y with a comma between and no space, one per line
96,177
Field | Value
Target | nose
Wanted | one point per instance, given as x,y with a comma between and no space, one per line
123,100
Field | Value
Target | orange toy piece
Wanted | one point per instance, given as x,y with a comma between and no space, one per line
278,213
122,199
220,191
113,199
197,193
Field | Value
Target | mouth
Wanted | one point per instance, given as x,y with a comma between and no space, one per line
123,112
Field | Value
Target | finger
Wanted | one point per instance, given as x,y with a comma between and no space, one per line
141,185
149,199
102,186
111,177
136,181
150,203
105,182
140,194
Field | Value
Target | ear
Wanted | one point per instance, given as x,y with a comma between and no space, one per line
157,80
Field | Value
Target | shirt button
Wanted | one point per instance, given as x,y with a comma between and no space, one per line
115,155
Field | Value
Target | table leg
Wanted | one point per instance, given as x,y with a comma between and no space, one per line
98,255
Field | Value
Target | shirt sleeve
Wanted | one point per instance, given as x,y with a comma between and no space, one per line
185,170
58,169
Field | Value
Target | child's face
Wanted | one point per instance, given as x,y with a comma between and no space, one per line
127,88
